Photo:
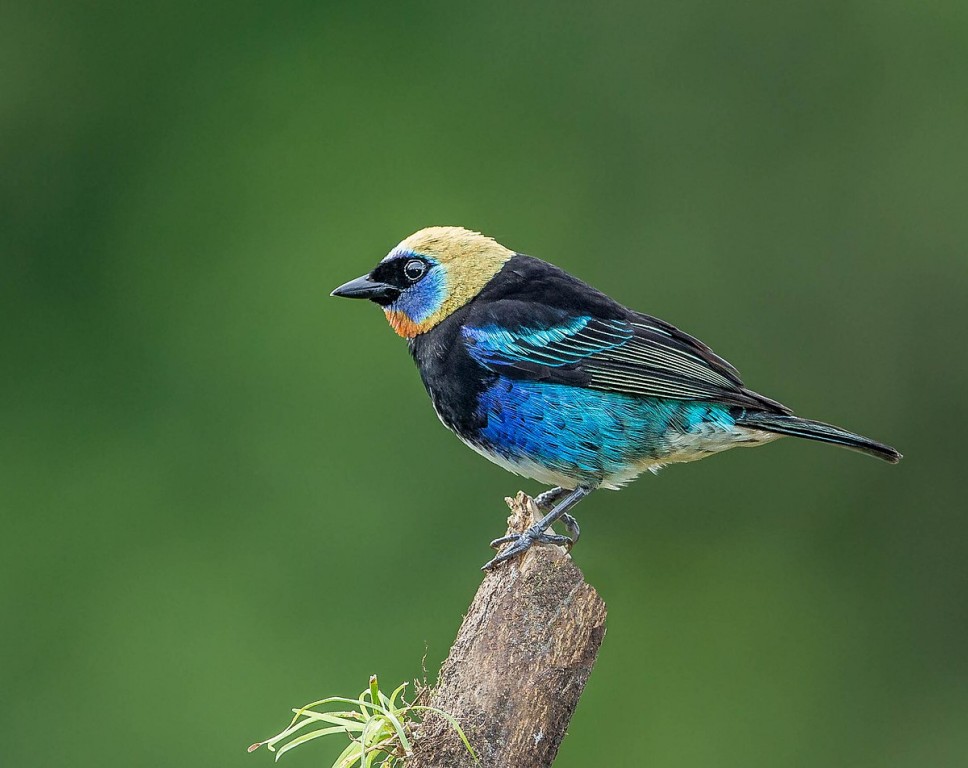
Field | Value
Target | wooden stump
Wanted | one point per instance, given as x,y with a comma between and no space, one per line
519,664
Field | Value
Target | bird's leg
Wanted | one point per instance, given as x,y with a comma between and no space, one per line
520,542
547,500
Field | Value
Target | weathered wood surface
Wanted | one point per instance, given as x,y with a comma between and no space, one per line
519,664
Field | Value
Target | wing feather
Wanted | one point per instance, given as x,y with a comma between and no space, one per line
638,355
534,321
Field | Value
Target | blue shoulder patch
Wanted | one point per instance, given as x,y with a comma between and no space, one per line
559,345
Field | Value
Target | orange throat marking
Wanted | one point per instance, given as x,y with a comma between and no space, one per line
403,325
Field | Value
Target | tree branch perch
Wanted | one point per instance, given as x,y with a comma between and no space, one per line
519,664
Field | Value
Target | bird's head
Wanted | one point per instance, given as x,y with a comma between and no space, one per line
428,276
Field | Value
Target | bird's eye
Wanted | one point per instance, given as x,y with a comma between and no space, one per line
414,270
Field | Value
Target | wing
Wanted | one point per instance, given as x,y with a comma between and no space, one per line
535,321
634,355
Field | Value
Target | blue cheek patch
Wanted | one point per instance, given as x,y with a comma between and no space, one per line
422,299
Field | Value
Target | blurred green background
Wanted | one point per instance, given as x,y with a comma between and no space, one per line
202,454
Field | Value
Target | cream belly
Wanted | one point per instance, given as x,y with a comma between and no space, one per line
690,446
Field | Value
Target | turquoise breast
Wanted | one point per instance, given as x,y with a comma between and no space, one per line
591,436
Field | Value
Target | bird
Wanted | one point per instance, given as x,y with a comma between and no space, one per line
555,381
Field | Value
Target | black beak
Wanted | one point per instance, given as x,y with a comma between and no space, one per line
365,288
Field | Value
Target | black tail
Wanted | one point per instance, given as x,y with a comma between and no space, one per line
817,430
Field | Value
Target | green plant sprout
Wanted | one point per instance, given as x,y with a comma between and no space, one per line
378,728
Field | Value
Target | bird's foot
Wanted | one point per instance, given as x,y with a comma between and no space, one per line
546,501
521,542
540,532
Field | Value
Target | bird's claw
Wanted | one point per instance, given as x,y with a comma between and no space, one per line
571,525
521,542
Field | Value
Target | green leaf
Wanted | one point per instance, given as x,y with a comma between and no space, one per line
351,720
349,756
299,726
306,737
377,729
395,694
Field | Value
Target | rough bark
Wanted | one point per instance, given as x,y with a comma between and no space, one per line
519,664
